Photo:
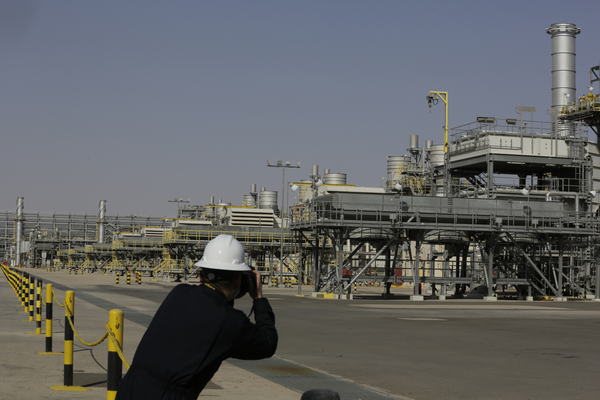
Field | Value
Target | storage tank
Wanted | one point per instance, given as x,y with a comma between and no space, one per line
221,209
414,142
248,201
268,199
394,164
437,155
334,179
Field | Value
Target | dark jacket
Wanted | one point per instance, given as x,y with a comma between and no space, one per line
193,331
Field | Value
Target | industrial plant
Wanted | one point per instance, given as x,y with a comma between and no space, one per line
502,207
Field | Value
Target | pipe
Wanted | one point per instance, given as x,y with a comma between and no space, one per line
567,194
19,220
101,221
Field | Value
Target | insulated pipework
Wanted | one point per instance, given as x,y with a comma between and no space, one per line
19,221
101,221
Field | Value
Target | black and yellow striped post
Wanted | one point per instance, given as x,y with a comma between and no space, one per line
68,370
21,285
115,365
49,299
31,297
128,277
38,308
139,277
117,273
69,313
25,300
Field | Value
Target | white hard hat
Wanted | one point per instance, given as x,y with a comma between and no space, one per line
225,253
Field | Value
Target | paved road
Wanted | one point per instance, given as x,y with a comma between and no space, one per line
457,349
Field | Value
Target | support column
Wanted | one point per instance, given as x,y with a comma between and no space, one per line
491,247
416,279
559,294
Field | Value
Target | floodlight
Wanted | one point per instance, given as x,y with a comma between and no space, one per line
525,192
398,186
319,183
294,187
591,88
593,193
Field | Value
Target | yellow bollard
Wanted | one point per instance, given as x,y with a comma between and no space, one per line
31,297
49,299
38,309
69,313
26,292
23,286
115,365
68,368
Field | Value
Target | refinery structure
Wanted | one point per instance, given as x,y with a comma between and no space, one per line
502,204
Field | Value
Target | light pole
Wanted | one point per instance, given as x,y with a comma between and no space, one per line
432,99
283,166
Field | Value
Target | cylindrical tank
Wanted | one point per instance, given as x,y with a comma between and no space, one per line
253,188
414,141
212,200
563,62
248,201
428,144
221,209
394,167
315,170
437,155
334,179
326,171
268,199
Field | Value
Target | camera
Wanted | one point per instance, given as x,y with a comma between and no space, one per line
245,285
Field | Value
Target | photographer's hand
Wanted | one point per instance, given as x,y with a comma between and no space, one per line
255,290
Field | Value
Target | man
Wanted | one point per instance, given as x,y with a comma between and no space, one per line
196,328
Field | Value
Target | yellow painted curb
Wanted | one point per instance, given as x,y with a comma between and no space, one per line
70,388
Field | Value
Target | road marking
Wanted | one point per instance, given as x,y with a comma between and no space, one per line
458,307
424,319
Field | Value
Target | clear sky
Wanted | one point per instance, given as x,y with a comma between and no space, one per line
135,102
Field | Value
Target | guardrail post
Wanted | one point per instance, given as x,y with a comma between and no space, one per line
25,301
22,288
68,370
31,297
38,308
69,313
128,277
115,365
49,299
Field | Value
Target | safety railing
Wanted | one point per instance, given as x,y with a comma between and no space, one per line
23,284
